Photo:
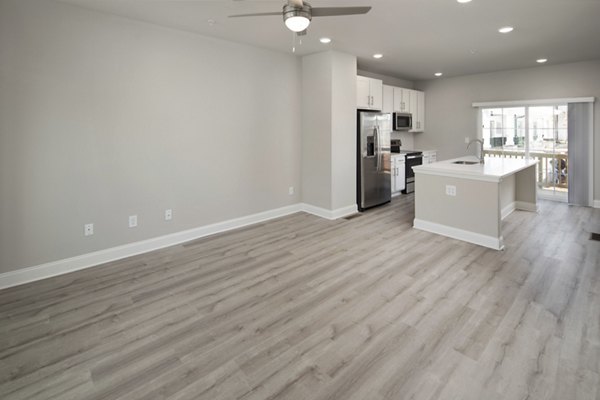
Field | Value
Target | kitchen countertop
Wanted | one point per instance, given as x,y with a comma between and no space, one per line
493,170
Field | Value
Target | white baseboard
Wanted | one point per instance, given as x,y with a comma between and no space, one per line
525,206
47,270
506,211
596,203
460,234
518,205
329,214
55,268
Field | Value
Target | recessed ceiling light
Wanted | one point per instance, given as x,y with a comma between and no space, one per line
541,60
377,55
325,40
438,74
506,29
464,1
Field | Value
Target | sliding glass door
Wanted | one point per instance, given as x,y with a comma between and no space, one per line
539,132
548,143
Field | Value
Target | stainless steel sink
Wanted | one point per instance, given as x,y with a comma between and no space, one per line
465,162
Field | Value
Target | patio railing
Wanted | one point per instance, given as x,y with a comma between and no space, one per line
552,168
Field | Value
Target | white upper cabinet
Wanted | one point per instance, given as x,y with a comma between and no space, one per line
363,92
372,94
388,99
418,110
401,99
369,93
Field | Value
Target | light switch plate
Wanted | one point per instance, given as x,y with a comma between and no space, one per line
168,214
451,190
88,229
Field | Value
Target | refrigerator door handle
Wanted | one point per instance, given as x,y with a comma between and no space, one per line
376,147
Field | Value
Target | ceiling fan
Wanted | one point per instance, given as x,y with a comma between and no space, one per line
297,14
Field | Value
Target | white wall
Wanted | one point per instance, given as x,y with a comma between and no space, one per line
103,117
450,116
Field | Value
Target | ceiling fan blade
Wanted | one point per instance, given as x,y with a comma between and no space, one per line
335,11
256,14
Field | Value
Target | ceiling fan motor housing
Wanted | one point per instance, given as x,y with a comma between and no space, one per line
290,10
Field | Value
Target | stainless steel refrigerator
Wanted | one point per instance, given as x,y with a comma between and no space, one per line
373,164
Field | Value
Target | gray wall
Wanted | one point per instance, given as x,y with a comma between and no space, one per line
316,128
103,117
329,130
343,131
450,116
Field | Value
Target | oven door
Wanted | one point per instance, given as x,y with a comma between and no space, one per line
411,161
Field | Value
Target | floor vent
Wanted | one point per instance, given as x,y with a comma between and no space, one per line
595,236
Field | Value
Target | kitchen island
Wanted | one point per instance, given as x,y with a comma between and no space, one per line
466,200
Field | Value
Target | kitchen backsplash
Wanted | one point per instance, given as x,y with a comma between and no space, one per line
408,141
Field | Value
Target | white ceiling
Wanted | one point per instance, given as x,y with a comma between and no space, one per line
417,37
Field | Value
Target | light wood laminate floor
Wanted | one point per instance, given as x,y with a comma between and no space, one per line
305,308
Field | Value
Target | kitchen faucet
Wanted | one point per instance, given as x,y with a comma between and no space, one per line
481,160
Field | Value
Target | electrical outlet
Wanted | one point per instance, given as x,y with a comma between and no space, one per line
88,229
451,190
291,190
132,221
168,214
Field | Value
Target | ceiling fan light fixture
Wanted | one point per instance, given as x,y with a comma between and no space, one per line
297,19
297,23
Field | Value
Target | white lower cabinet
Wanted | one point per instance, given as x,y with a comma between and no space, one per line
429,156
398,181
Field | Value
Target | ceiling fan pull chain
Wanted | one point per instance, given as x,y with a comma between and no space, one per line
293,42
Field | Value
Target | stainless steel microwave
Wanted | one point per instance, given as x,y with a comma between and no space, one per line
402,121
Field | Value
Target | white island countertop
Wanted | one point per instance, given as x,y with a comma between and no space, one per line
493,170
